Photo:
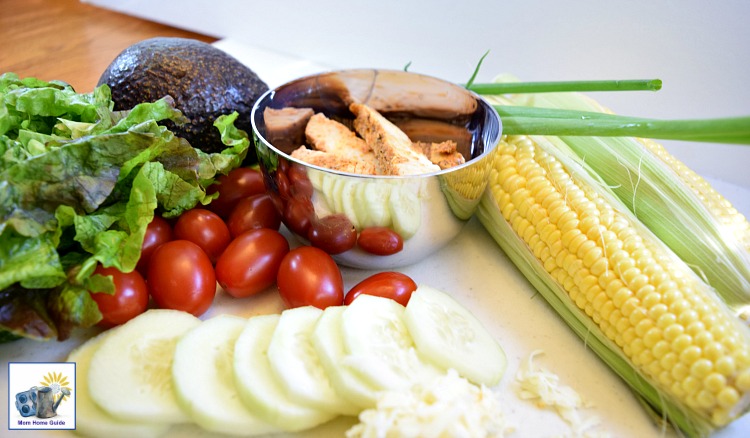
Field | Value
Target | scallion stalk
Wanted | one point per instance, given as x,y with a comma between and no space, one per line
560,86
735,130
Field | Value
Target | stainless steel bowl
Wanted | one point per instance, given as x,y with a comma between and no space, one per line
426,210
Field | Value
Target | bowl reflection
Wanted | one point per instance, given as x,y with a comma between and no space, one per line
426,211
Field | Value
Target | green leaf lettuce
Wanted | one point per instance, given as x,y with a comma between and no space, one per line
79,183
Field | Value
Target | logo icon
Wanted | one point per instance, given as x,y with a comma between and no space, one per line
50,404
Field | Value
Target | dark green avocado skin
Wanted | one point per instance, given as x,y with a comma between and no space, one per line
204,81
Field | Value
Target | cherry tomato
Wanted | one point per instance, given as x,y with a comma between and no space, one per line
393,285
250,263
204,228
257,211
308,276
333,234
181,277
129,300
282,184
298,215
301,184
380,241
158,231
283,166
237,184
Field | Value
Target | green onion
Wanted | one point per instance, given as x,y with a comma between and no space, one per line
476,70
559,86
530,120
734,130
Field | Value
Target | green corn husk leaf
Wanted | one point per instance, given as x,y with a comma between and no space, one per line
669,410
713,246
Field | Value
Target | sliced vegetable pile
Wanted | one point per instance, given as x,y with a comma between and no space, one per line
272,373
79,183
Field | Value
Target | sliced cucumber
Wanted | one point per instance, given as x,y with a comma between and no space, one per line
335,194
449,335
329,344
131,372
257,385
296,365
91,420
406,211
374,210
348,201
379,347
327,183
315,177
202,372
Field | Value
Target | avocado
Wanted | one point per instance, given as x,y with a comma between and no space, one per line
205,82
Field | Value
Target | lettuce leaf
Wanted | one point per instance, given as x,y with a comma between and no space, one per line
79,183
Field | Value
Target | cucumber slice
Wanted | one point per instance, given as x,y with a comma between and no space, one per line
406,211
131,372
449,335
348,201
204,380
329,344
297,366
258,386
336,194
91,420
327,183
379,346
374,211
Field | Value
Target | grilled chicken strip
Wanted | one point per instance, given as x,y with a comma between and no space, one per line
330,136
392,148
333,162
444,154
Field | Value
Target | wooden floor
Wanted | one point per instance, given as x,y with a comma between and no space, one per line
68,40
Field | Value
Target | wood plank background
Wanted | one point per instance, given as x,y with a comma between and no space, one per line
68,40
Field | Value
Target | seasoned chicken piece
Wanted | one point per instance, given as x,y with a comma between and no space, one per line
392,148
435,131
444,154
285,128
333,162
330,136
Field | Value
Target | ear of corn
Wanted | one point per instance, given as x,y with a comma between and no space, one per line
634,302
675,203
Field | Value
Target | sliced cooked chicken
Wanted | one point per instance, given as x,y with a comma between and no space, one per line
444,154
333,162
392,148
285,128
330,136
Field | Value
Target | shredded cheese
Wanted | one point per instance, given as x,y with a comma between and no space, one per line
450,406
544,388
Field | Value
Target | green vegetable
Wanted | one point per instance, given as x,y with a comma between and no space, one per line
536,120
79,183
543,121
558,86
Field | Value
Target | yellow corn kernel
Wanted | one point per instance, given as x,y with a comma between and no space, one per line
690,355
715,382
669,360
728,397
